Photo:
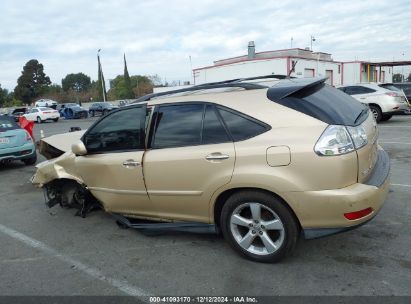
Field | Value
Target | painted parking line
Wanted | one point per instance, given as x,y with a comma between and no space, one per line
394,142
121,285
401,185
383,127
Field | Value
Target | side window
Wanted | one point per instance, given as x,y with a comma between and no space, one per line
365,90
213,130
351,90
120,131
178,125
241,127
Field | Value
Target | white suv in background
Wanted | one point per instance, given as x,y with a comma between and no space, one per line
383,103
45,103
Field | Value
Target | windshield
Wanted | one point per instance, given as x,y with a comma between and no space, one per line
7,124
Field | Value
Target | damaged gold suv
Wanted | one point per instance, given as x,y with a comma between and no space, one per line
262,164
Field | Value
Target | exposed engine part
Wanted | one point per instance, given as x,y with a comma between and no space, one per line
48,151
70,194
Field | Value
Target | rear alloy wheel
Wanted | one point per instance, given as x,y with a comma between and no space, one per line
92,113
105,112
376,111
259,226
38,119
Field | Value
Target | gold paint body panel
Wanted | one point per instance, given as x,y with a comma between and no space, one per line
180,184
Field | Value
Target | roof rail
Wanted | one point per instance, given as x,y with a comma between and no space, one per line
271,76
206,86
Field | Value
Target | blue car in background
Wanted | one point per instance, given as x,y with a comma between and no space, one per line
15,142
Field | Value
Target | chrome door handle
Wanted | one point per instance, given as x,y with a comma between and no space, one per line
217,156
131,163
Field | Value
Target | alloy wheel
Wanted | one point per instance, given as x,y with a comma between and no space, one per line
257,228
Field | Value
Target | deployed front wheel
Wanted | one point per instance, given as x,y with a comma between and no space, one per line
259,226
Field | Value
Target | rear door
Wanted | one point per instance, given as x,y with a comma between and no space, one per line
112,168
191,155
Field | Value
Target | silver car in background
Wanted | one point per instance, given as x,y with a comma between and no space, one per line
383,103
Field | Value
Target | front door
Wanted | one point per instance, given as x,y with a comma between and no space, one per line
112,168
191,156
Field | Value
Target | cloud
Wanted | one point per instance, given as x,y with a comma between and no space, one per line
159,36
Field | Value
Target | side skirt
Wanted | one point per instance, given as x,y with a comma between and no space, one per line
156,227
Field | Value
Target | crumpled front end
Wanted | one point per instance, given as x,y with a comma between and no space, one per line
62,167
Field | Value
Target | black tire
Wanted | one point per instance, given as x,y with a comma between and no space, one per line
30,161
105,112
376,111
287,236
38,119
92,113
55,119
386,117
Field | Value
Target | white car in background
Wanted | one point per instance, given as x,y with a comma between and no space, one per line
383,103
45,103
41,114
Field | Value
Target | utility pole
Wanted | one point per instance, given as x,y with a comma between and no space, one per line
191,71
312,38
291,44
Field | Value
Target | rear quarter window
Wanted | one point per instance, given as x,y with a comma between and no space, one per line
240,126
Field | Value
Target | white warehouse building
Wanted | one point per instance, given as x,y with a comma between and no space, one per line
295,62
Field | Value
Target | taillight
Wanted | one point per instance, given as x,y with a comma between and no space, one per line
358,214
392,94
47,112
337,140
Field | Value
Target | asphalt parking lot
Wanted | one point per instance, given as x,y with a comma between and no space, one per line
52,252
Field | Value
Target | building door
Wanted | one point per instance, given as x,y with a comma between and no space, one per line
308,72
329,75
382,76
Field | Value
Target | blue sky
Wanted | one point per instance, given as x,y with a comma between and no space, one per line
159,36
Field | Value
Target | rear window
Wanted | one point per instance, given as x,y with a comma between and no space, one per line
7,124
326,104
391,88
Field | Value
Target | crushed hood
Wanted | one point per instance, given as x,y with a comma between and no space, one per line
56,145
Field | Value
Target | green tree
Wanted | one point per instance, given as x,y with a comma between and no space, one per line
3,96
32,82
101,87
128,91
54,92
78,82
141,85
397,77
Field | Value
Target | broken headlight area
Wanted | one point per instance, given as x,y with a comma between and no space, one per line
69,194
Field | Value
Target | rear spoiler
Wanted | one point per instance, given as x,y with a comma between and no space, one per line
312,97
288,87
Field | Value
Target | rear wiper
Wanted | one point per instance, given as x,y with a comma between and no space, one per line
363,111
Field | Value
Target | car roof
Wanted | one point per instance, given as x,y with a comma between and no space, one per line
251,102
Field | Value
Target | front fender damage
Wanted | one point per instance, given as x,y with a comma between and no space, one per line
61,167
62,186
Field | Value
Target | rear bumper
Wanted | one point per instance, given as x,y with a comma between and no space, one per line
321,213
18,153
